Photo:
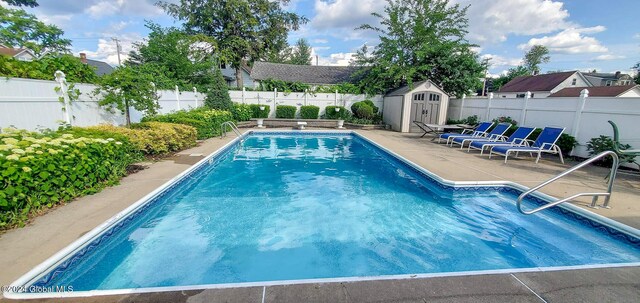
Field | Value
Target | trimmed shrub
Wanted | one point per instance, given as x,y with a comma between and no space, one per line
375,120
39,170
364,112
257,113
331,113
241,112
355,106
309,112
218,93
604,143
154,138
566,142
206,121
286,111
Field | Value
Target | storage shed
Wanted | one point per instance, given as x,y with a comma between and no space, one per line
424,101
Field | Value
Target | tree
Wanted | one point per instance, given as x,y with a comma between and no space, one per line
244,30
511,73
29,3
421,39
131,86
637,68
538,54
301,55
218,94
174,52
44,68
20,29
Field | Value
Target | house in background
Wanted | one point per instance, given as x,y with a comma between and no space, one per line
541,86
621,91
310,74
22,54
229,74
102,68
608,79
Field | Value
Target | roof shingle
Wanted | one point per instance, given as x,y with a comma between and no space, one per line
594,91
538,83
311,74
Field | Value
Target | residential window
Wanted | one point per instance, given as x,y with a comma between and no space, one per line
520,96
608,83
574,81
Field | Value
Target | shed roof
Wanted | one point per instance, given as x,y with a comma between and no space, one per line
537,83
311,74
401,91
594,91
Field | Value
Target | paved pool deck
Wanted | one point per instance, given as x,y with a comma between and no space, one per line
24,248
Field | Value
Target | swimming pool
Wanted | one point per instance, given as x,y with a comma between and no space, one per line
285,207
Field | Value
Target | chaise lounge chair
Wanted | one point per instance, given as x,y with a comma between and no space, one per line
518,138
495,135
478,132
546,143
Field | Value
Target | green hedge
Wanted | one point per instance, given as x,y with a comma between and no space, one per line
309,112
206,121
286,112
241,112
39,170
364,113
257,113
154,138
342,114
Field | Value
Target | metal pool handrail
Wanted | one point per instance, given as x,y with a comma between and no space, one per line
607,195
234,128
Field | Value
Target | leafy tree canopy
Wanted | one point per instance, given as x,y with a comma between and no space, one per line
178,55
421,39
23,30
45,67
301,54
29,3
242,29
537,55
637,68
511,73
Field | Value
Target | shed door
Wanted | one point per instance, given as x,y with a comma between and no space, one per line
425,107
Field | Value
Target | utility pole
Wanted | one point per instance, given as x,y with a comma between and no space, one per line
118,48
486,69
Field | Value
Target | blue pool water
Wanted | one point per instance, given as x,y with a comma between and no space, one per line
285,207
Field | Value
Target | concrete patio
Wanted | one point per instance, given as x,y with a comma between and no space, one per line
24,248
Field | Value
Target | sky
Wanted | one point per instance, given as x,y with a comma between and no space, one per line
580,34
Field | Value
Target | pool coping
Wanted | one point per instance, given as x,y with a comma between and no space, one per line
72,249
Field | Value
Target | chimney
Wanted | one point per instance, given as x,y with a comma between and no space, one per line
83,58
536,72
617,74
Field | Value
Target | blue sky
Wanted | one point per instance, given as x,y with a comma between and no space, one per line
581,34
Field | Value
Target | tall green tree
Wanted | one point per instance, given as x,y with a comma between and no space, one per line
175,53
129,87
21,29
421,39
538,54
45,67
511,73
244,30
28,3
301,54
218,93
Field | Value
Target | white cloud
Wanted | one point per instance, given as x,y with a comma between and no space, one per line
636,36
500,61
340,18
107,49
118,7
570,41
491,21
320,41
335,59
607,57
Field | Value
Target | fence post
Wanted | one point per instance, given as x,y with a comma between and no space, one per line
178,97
195,95
584,94
305,96
243,91
275,95
464,96
336,98
66,109
523,115
488,106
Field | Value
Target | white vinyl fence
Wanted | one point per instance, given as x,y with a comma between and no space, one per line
298,99
38,104
583,117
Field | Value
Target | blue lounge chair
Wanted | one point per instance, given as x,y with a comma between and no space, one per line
519,137
479,131
494,135
546,143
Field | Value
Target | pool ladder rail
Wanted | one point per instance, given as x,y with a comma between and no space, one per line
607,195
233,127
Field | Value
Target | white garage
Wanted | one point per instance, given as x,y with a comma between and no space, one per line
424,101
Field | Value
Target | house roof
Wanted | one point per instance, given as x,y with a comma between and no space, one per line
102,68
594,91
612,76
537,83
311,74
8,51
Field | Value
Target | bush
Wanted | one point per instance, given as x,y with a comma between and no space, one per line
309,112
218,94
604,143
366,103
471,120
507,119
257,113
241,112
40,171
154,138
566,142
342,114
375,120
286,112
364,112
206,121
